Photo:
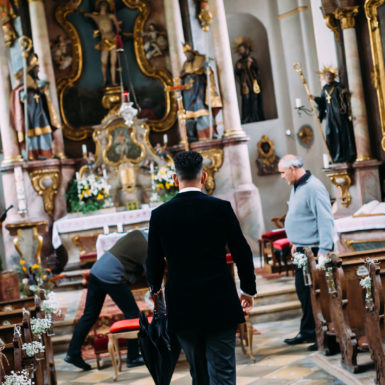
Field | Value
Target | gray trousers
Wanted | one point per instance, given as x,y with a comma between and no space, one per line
211,355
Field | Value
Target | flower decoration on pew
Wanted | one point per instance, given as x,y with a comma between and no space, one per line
164,182
33,348
366,282
40,325
33,277
50,305
18,378
87,194
300,260
322,263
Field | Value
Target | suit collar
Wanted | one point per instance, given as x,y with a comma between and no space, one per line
189,194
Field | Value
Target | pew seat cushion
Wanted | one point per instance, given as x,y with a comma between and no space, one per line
273,235
126,325
282,244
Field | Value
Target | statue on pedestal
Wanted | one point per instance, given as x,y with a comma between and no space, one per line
41,115
333,105
199,95
247,74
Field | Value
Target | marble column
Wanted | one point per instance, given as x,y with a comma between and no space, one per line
41,46
360,123
8,135
175,40
231,119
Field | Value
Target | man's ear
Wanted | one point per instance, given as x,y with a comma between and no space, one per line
203,177
176,180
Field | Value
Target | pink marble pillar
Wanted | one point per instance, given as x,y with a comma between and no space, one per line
8,134
220,34
360,123
175,37
41,46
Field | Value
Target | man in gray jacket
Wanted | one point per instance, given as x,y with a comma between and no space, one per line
309,223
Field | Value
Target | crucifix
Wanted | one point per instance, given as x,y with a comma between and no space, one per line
177,88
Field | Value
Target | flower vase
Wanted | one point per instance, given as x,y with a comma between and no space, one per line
306,276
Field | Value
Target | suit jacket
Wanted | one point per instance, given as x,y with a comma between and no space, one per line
191,232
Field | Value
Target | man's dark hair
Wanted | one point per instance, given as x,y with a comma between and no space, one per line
188,165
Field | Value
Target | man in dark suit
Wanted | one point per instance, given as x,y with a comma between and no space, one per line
191,233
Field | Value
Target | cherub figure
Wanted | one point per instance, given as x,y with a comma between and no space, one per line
156,43
60,53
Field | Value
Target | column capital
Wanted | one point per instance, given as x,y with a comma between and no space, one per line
35,1
346,16
330,21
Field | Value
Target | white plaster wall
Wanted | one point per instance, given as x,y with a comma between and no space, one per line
289,40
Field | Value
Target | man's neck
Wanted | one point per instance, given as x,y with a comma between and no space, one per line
300,173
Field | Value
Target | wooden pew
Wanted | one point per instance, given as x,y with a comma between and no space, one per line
320,298
374,318
347,303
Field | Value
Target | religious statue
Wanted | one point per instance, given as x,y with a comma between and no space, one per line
60,52
198,93
267,161
334,105
7,15
247,74
41,115
108,30
156,42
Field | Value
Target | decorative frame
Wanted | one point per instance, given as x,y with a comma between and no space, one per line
215,155
378,74
63,10
111,135
343,181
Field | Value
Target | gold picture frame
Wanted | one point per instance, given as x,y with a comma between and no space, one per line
378,75
66,8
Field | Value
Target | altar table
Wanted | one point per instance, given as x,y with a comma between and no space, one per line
67,230
359,233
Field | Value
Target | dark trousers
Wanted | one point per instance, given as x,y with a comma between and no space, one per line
307,327
211,355
97,291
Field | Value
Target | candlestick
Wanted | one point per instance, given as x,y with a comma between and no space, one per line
165,139
298,102
326,161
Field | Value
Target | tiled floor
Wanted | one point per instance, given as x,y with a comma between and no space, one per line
276,363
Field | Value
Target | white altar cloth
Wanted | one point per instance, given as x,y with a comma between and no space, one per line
70,224
349,224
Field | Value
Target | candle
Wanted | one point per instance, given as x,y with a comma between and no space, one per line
165,139
126,97
84,149
104,173
298,102
77,176
152,168
325,159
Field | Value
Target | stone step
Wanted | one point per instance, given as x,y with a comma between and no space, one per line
276,295
276,311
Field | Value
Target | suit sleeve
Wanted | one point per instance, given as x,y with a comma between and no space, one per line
241,253
155,263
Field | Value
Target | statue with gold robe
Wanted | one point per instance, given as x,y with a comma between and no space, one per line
42,118
196,95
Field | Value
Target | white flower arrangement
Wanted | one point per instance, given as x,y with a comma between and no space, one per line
163,182
322,263
33,348
92,186
18,378
366,282
300,260
50,305
40,325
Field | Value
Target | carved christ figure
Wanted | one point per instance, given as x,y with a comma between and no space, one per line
108,28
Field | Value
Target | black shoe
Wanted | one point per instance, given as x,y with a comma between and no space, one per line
299,339
135,362
77,361
312,348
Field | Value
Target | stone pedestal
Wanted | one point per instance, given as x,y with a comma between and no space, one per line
354,184
45,184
